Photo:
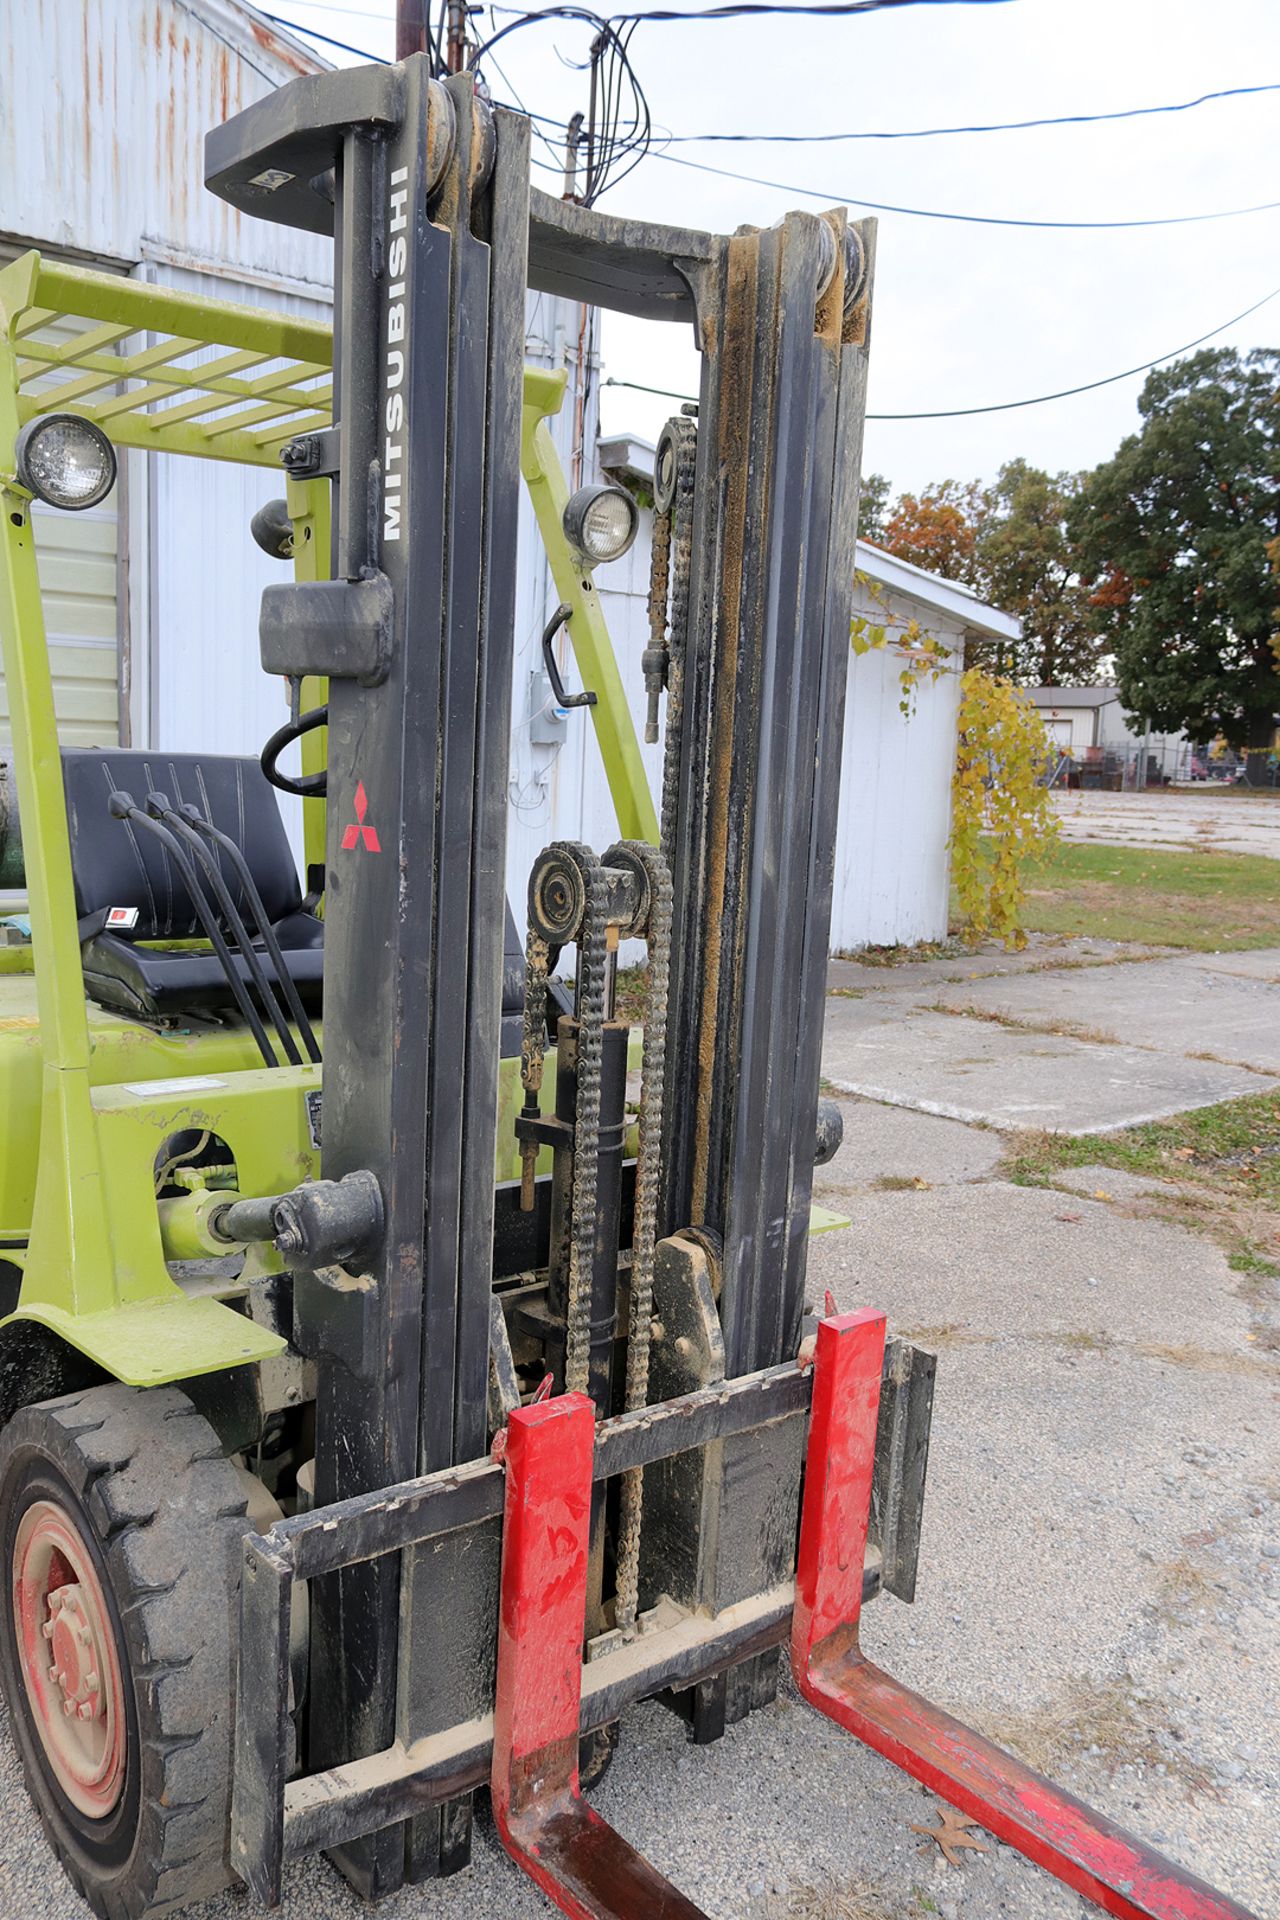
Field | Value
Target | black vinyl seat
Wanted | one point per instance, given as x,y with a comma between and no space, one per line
117,864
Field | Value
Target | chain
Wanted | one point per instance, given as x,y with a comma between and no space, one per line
655,661
593,969
681,537
533,1048
644,1236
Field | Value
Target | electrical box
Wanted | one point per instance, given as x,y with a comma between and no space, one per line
548,721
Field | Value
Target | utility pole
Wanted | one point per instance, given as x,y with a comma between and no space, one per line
411,27
455,47
412,35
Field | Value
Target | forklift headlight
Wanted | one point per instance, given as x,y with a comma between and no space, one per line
65,461
600,523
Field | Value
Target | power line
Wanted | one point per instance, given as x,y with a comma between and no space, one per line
833,139
327,39
740,9
582,14
968,219
993,126
951,413
1009,406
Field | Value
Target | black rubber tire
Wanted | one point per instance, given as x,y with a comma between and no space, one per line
162,1513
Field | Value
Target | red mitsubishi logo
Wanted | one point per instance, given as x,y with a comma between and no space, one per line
358,831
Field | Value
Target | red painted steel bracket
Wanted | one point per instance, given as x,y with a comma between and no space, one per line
1058,1832
578,1860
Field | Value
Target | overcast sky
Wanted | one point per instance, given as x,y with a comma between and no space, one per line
964,315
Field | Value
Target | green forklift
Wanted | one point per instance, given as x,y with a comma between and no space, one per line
405,1367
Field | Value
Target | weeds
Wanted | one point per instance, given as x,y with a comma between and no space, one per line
829,1899
1112,1722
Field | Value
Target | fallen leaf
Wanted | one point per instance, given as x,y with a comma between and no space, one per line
1069,1219
1100,1193
951,1835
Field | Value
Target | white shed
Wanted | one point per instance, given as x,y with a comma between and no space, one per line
892,873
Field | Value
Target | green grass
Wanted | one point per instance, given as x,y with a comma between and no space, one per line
1206,901
1236,1144
1226,1160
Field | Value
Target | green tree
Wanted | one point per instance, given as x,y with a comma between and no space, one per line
873,505
1026,565
1173,534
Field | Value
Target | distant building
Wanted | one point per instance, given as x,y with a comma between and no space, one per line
1092,728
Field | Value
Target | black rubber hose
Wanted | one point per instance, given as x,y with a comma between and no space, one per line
122,807
235,853
158,807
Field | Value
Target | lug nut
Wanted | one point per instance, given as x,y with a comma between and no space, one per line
86,1710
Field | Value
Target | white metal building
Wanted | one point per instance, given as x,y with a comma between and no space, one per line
152,600
102,122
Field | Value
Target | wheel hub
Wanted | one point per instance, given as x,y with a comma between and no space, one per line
74,1670
69,1660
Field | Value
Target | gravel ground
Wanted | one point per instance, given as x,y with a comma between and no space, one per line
1100,1585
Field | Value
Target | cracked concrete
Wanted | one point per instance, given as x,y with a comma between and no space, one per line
1070,1048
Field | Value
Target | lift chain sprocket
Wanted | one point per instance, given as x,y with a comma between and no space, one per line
685,435
657,931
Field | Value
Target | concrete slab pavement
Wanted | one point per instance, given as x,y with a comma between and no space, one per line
897,1143
1186,1006
1221,822
860,977
973,1070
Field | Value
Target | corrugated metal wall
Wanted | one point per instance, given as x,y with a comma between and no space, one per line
76,559
105,110
77,556
102,155
204,685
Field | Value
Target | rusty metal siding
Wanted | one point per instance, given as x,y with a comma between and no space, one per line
103,114
207,691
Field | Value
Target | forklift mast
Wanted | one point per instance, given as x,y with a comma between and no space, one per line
426,190
651,1508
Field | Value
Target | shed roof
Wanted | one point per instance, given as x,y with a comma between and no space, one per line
1072,696
628,454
